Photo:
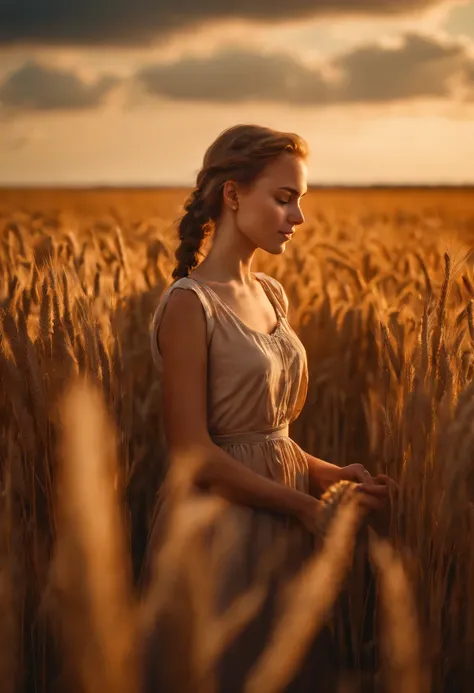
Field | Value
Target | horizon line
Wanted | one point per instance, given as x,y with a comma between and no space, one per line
180,186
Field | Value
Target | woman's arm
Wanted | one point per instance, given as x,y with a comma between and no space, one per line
321,473
222,474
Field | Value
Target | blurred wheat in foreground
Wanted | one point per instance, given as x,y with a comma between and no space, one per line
381,291
103,628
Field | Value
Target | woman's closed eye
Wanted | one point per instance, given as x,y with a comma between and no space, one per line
282,202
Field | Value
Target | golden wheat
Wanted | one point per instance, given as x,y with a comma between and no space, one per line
380,292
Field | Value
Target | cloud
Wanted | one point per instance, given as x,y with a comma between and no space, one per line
40,88
469,73
469,80
235,75
126,22
419,66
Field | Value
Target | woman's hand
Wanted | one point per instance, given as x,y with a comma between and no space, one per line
384,480
376,491
355,472
373,493
310,511
359,474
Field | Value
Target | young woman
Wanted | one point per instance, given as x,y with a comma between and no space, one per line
234,373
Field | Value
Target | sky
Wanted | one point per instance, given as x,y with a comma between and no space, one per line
132,92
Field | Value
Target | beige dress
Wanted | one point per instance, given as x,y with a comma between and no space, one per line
257,385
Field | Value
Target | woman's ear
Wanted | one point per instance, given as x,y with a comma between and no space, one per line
230,194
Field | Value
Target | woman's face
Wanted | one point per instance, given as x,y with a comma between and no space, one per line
271,207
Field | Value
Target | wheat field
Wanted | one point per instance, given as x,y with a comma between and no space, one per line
381,289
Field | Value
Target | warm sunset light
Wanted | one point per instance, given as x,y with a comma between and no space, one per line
236,346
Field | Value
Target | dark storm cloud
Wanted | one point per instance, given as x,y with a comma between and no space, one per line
418,67
40,88
135,22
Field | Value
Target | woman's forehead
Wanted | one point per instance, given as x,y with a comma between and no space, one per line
289,172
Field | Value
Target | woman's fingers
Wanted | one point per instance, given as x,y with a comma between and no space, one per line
360,474
372,497
357,473
371,503
380,491
385,480
373,493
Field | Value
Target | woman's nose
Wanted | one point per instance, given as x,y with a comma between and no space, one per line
297,217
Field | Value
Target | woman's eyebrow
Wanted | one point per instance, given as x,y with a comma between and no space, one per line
292,190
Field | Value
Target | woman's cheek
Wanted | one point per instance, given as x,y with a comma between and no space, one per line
276,211
281,214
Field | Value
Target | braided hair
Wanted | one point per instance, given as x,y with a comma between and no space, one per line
239,153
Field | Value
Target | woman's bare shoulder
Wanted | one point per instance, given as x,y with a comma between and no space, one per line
183,311
181,321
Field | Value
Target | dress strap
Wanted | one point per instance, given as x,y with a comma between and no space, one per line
276,291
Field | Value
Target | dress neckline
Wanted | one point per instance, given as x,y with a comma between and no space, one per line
267,335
